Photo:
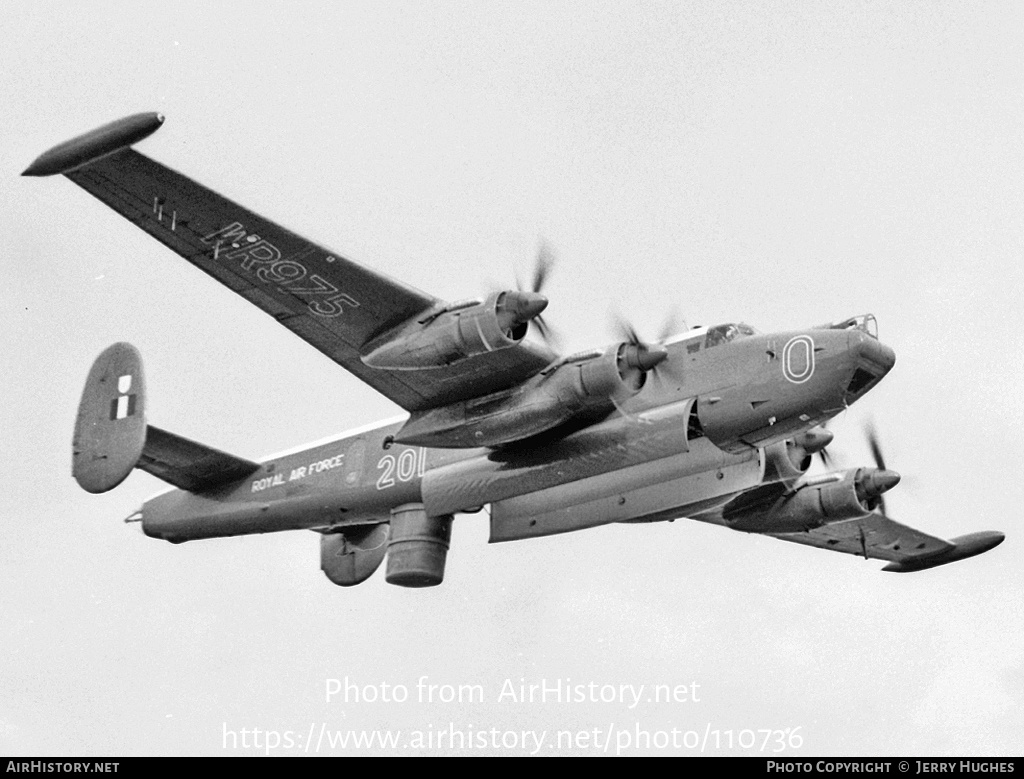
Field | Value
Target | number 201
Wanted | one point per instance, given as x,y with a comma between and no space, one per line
409,464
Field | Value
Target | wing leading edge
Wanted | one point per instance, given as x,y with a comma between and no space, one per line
330,302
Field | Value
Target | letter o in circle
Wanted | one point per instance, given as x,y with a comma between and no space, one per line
798,359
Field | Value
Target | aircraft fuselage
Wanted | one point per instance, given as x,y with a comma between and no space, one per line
691,439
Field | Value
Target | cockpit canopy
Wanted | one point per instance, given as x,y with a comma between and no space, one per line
865,323
723,334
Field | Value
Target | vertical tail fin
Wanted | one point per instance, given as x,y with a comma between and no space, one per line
112,437
110,431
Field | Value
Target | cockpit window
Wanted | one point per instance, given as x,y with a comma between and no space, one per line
865,322
722,334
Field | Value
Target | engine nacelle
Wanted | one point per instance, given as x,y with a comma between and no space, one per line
594,380
845,495
457,331
785,461
789,460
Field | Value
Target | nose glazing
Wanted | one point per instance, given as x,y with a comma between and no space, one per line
874,352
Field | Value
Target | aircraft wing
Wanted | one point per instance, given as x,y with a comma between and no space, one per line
878,537
330,302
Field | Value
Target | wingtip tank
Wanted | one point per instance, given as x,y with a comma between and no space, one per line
95,144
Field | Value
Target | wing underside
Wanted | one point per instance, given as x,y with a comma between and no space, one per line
880,538
874,536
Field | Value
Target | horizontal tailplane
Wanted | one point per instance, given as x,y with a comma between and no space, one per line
112,437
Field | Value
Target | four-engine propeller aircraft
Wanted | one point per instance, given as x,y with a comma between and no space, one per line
716,424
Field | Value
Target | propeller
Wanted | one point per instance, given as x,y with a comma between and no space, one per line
671,326
637,354
876,448
826,458
876,483
884,478
872,483
543,266
640,353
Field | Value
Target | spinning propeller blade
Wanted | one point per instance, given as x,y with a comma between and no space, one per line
878,481
543,266
876,453
636,354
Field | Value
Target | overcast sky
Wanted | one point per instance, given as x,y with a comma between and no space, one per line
783,163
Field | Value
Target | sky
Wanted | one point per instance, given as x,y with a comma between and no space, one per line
781,163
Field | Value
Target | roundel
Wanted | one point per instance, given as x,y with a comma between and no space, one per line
798,359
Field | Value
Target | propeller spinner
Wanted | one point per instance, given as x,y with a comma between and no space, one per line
635,356
882,480
543,265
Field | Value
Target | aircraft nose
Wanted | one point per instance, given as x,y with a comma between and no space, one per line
871,361
875,352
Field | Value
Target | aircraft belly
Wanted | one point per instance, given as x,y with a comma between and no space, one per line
190,517
663,489
187,517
